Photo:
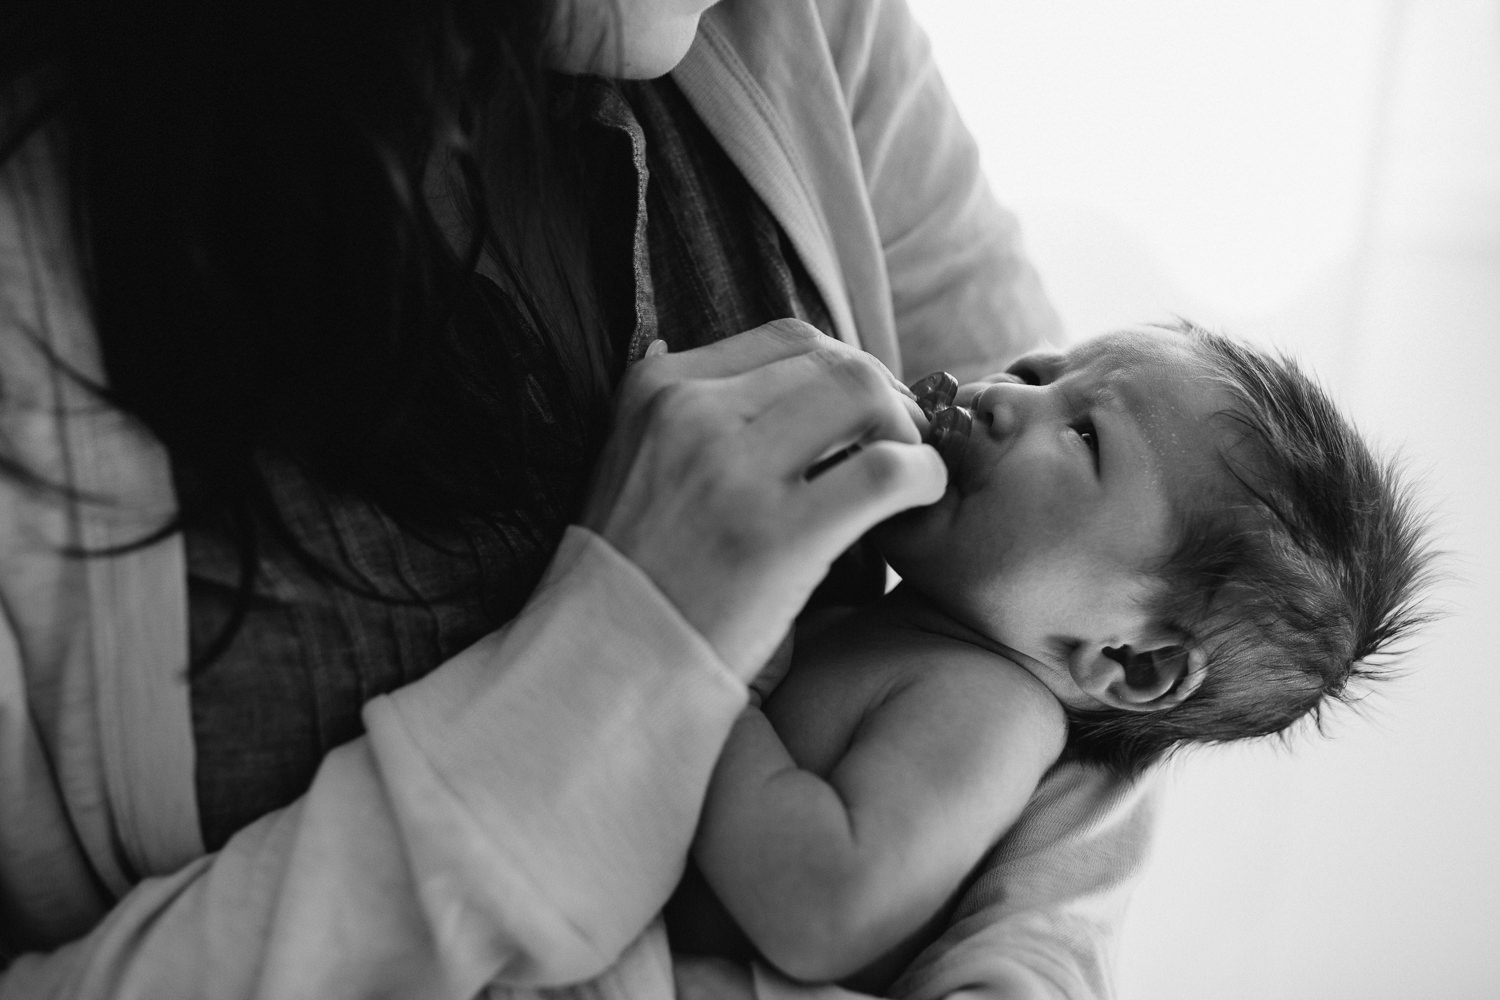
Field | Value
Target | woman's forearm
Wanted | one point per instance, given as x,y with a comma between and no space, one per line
486,828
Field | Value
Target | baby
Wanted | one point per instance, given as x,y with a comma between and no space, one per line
1158,538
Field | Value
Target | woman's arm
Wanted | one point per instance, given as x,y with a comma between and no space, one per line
486,827
473,833
826,874
520,814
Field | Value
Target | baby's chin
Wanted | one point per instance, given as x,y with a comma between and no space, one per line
926,584
911,542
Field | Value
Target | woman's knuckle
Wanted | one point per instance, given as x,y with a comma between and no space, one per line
864,373
825,357
794,331
852,370
672,402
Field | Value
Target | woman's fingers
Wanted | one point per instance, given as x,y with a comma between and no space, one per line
782,338
704,483
782,536
764,345
808,406
873,484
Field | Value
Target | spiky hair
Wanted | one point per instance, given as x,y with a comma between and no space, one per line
1299,575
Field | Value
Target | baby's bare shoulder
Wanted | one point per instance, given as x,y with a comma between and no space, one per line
958,721
949,675
879,655
882,670
900,650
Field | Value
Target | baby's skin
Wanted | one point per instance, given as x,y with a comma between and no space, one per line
845,816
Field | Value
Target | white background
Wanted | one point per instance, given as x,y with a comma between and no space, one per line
1323,176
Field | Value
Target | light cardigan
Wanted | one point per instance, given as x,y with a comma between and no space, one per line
518,816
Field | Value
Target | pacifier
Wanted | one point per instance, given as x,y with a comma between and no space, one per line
948,426
934,391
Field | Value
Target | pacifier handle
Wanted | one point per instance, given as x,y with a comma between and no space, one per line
934,392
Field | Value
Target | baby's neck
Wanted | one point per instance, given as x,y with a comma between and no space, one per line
907,606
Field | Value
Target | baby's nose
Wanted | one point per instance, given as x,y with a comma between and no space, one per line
1001,407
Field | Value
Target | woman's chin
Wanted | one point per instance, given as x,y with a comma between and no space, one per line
628,51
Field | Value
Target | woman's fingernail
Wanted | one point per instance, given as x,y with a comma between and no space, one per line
654,348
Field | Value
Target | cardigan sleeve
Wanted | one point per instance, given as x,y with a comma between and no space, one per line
966,297
518,816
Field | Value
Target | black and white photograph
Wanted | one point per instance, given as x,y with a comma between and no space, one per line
749,499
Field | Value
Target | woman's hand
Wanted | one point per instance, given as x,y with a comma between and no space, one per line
704,481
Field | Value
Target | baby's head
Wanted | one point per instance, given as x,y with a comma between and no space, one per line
1175,532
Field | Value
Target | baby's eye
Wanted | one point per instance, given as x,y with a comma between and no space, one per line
1090,437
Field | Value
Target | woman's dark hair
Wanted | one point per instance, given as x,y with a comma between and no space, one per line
250,189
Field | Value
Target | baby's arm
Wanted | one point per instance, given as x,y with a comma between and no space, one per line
826,874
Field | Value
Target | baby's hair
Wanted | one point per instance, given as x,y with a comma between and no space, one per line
1300,575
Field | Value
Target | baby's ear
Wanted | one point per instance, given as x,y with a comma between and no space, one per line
1138,679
